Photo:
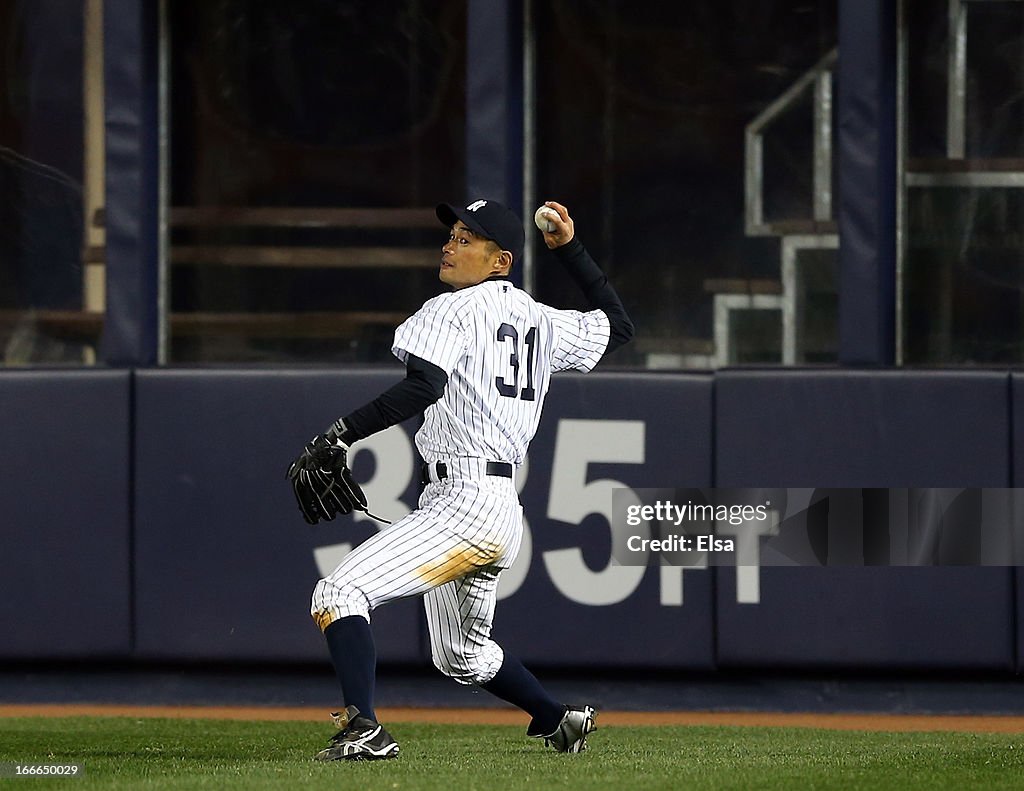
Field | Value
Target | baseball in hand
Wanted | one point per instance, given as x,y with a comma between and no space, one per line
541,218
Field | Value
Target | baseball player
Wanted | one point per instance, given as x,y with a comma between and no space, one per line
478,364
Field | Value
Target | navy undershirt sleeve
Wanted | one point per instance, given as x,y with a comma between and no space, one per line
598,291
424,384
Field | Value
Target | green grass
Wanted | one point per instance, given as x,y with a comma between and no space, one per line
123,753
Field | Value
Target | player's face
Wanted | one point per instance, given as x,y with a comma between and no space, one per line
468,259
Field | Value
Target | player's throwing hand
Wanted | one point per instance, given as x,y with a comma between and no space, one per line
564,227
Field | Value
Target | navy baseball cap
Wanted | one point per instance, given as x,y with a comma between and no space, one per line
490,220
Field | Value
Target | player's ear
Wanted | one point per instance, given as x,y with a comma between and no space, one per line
504,262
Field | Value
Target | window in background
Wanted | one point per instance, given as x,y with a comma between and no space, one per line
51,181
309,144
962,261
693,145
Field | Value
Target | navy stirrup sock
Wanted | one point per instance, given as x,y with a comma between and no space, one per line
517,685
354,656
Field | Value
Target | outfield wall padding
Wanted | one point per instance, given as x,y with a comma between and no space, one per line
1017,479
865,429
65,514
225,564
146,516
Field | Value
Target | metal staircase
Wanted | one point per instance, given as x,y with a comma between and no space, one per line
763,320
942,203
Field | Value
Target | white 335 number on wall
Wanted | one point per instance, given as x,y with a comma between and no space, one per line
571,499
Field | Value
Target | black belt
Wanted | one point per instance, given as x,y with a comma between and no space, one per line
502,469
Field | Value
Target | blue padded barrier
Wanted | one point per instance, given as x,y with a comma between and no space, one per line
864,429
225,562
64,490
1017,468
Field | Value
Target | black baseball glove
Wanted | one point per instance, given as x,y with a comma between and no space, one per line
322,481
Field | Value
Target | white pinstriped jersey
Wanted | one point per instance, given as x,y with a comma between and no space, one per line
499,348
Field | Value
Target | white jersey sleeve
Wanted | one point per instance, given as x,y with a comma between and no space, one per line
434,333
580,339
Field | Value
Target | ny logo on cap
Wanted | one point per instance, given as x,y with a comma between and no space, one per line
477,204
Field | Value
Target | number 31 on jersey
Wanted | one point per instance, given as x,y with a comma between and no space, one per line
508,385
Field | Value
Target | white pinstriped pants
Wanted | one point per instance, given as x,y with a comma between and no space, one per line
450,550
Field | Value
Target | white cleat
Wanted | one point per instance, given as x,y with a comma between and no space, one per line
571,734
